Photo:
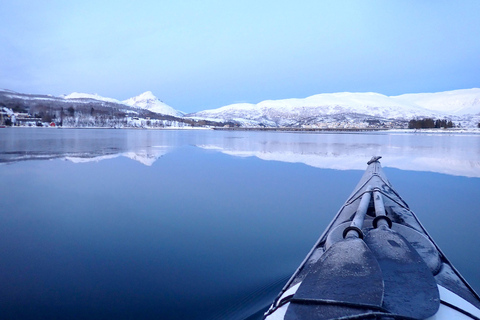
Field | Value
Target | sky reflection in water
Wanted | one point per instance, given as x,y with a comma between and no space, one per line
188,232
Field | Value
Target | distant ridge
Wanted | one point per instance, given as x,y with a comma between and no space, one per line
461,105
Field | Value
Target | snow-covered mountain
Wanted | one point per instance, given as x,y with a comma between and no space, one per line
346,106
145,101
92,110
149,102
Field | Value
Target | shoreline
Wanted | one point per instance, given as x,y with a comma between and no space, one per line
286,129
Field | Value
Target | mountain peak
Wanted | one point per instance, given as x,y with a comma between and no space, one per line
149,101
147,95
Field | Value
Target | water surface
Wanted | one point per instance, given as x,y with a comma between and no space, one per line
140,224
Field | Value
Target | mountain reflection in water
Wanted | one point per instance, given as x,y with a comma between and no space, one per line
453,154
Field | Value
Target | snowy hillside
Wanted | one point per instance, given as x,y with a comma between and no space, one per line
456,102
145,101
346,106
149,102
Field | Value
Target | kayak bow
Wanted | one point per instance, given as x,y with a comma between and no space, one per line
375,260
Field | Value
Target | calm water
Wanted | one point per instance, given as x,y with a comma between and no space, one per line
137,224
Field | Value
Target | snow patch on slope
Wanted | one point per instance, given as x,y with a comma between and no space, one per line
78,95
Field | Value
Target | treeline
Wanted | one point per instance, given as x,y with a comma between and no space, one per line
429,123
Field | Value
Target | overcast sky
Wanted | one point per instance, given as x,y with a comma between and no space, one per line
197,55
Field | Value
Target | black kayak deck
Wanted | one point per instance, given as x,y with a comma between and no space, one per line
410,265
